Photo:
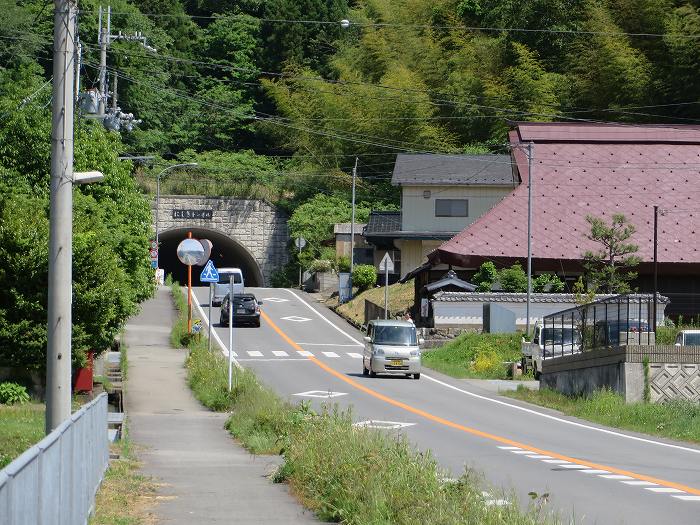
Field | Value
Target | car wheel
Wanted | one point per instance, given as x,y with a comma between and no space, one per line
416,376
257,323
365,372
372,373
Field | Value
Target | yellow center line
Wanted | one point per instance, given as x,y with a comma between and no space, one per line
474,431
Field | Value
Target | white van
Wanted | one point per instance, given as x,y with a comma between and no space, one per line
223,287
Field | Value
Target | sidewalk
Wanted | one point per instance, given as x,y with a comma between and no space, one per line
206,477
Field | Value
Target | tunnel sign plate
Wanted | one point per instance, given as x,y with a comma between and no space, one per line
210,273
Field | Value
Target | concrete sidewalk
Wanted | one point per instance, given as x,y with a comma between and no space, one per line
206,477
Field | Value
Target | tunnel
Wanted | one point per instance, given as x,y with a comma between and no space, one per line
226,253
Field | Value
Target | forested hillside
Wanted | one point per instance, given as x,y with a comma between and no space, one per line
275,98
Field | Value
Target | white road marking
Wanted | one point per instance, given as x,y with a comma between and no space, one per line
280,353
354,355
275,299
275,359
327,394
664,490
305,353
296,318
538,456
520,451
509,448
596,471
503,403
254,353
557,461
224,348
383,425
687,498
330,354
574,466
640,483
560,420
324,344
615,476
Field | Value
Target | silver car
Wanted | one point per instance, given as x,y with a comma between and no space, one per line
391,347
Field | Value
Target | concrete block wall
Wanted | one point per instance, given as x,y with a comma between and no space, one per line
674,373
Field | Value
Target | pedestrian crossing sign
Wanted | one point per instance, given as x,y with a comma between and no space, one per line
209,273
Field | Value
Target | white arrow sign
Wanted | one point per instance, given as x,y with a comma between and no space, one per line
386,264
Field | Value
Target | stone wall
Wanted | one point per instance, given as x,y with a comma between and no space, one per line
674,372
254,224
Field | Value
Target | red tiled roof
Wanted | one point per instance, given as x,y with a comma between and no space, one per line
599,170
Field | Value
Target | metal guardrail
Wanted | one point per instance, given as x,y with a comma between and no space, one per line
55,481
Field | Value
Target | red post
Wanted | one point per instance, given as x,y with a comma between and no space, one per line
189,293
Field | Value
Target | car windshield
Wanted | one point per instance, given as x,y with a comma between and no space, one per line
560,336
692,339
226,278
245,300
395,335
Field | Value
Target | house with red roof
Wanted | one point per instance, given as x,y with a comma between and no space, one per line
586,169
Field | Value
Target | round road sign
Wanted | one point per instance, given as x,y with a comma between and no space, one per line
300,242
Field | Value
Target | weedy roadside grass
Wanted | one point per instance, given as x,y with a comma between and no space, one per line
21,426
482,356
126,497
400,300
341,472
678,420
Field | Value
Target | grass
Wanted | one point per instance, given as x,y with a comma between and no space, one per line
21,426
400,300
342,473
678,420
475,355
125,496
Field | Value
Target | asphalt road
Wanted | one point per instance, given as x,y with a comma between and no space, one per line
592,474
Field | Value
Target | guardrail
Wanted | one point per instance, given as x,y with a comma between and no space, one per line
55,481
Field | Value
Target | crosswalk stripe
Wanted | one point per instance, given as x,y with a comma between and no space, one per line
305,353
688,498
254,353
354,355
330,354
280,353
664,490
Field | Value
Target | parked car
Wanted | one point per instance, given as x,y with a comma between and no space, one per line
392,347
622,332
223,286
547,342
688,338
246,309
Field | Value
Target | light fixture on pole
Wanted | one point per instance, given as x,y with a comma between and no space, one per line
182,165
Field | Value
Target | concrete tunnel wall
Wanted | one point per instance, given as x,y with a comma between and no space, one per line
226,252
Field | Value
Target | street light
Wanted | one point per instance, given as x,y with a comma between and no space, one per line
158,205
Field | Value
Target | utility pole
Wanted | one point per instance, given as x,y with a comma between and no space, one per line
656,265
58,350
114,93
103,41
529,236
352,225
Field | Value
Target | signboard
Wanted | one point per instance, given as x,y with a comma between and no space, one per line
387,264
193,214
154,244
154,254
210,274
300,242
197,326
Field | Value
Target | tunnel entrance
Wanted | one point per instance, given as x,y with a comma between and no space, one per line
226,253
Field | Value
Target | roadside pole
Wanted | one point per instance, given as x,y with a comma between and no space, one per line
211,298
386,291
230,333
59,326
189,293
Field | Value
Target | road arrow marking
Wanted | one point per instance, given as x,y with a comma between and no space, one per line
382,425
296,319
326,394
275,299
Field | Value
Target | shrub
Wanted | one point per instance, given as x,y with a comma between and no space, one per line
320,266
12,393
364,276
342,264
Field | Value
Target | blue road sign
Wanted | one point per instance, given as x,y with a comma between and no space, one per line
209,274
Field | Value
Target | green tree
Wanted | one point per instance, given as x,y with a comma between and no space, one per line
608,270
513,279
485,277
547,283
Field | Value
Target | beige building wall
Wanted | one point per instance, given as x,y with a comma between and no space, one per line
418,206
415,252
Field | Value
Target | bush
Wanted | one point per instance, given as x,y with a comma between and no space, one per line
320,266
342,264
12,393
364,276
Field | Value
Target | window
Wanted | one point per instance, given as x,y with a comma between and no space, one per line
451,208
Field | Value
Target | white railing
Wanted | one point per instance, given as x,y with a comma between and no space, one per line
55,481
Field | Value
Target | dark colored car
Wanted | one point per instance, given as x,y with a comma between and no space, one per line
246,309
